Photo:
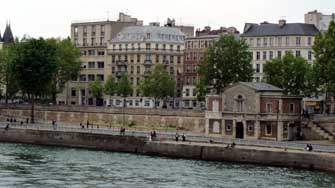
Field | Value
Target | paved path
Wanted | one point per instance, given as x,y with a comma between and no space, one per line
169,136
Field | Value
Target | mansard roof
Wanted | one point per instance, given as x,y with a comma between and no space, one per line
288,29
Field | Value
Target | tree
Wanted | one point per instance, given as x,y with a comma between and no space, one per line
7,76
293,74
34,64
110,87
158,85
227,61
124,89
97,90
68,65
324,48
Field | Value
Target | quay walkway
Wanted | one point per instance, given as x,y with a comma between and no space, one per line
170,136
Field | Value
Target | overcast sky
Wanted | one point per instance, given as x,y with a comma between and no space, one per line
52,18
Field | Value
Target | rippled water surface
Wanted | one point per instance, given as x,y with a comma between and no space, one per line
36,166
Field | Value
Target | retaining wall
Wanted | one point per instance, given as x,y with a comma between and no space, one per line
255,155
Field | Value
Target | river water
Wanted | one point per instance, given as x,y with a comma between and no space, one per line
48,167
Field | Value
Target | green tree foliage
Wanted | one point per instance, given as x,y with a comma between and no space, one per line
68,64
324,52
110,86
158,85
124,87
293,74
227,61
97,89
7,76
34,64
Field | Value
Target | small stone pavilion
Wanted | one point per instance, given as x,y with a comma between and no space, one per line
253,111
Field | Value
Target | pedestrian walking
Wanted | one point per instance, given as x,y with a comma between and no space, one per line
177,137
183,137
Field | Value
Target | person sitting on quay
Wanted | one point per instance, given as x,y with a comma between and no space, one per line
309,147
177,137
183,137
122,131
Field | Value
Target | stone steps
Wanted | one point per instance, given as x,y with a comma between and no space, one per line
320,131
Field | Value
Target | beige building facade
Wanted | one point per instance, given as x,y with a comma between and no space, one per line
92,37
136,50
268,41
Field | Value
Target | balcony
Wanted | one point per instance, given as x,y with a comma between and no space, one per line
147,62
121,63
120,73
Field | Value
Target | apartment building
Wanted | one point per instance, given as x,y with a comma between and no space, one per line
195,50
268,41
136,50
321,21
91,37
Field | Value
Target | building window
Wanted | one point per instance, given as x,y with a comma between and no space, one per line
91,65
298,41
101,53
187,68
265,42
287,41
258,55
240,103
279,54
171,47
298,53
138,58
147,46
73,92
91,52
228,125
82,77
250,126
179,59
91,77
309,41
258,68
187,92
101,64
157,58
258,42
292,108
279,41
271,55
271,41
100,77
310,55
264,55
268,130
269,107
178,48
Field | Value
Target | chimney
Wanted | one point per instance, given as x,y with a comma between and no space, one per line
282,23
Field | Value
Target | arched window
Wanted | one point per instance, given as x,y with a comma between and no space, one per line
240,103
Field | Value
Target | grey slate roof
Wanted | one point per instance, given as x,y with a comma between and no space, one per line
157,34
289,29
258,86
8,35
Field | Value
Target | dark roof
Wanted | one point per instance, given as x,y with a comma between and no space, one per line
269,29
8,35
259,86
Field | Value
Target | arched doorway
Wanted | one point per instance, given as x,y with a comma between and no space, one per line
239,130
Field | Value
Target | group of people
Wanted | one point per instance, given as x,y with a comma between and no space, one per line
152,136
183,137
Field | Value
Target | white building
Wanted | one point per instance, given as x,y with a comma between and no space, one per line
268,41
321,21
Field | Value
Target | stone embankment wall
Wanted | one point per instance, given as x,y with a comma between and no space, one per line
187,120
265,156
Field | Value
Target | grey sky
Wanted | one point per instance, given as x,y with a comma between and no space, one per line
52,18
